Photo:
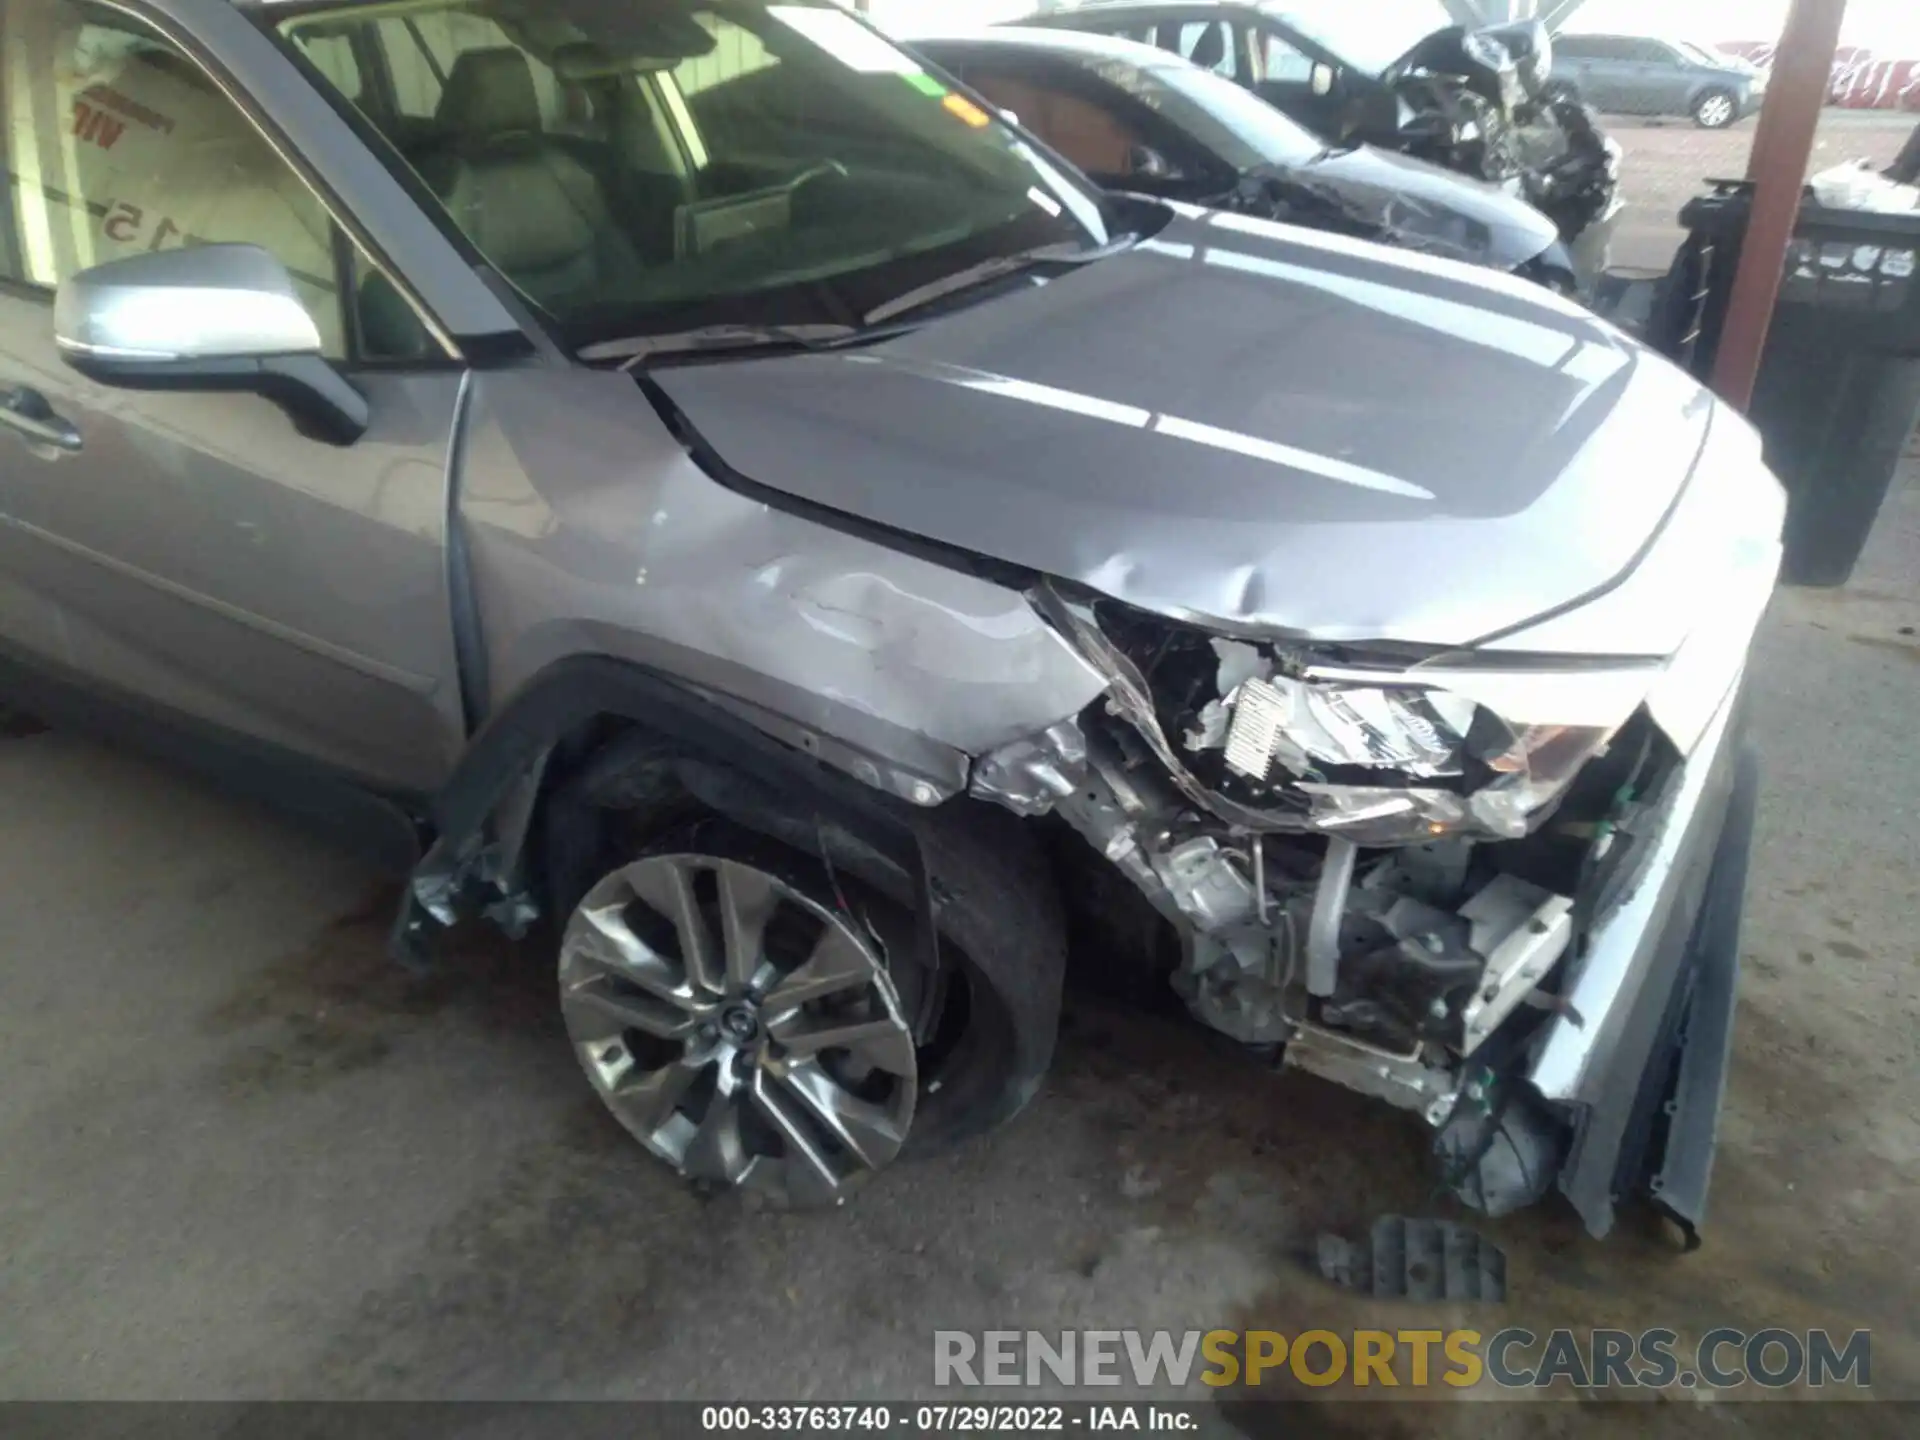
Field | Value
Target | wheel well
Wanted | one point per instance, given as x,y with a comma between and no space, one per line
614,780
596,741
981,891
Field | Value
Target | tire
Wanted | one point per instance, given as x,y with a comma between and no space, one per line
1715,110
983,1025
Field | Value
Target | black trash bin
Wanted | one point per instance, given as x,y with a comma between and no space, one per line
1839,385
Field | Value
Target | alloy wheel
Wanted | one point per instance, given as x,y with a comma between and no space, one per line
742,1032
1715,112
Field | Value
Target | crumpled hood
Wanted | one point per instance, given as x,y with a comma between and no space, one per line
1249,426
1427,208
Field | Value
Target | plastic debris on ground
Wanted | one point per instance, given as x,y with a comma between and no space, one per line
1410,1259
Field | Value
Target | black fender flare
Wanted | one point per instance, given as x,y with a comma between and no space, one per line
735,768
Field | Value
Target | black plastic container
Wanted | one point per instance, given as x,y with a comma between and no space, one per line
1839,385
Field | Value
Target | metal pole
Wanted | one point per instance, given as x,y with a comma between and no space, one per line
1782,146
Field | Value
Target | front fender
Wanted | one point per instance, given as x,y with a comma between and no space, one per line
482,817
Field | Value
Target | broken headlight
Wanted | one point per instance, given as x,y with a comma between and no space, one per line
1280,739
1455,766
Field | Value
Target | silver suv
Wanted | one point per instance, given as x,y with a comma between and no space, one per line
681,477
1640,75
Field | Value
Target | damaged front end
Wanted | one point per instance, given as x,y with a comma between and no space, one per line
1398,872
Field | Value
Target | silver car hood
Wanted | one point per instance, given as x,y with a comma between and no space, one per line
1248,426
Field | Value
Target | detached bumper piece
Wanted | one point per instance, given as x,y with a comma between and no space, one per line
1648,1114
1685,1128
1403,1259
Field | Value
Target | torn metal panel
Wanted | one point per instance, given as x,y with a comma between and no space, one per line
1522,930
1576,1049
1029,776
1404,1081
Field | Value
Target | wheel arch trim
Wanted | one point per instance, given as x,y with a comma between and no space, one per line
482,817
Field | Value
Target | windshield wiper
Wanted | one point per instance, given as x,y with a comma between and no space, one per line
638,349
987,271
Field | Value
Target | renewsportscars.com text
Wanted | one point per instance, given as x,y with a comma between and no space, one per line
1513,1359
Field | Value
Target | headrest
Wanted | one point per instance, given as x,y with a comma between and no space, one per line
1210,49
490,92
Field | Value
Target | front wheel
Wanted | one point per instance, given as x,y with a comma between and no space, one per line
1715,110
759,1018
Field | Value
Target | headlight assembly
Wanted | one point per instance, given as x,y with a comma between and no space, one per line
1270,741
1367,755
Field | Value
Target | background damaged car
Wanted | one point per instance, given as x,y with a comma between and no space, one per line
1138,119
727,497
1480,102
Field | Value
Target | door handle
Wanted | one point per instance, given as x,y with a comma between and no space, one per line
26,412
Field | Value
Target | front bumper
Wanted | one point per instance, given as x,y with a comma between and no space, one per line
1636,1062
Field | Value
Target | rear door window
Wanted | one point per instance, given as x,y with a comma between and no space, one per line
1276,58
1207,43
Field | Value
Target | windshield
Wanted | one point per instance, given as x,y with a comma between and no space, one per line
650,166
1367,37
1228,121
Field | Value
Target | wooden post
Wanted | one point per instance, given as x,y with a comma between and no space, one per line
1782,147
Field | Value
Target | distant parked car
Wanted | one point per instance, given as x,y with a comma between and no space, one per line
1636,75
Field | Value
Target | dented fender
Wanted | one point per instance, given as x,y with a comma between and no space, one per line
607,538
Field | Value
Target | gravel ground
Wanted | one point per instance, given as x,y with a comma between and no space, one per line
241,1156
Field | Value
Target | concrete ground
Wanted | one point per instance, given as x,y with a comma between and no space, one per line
241,1156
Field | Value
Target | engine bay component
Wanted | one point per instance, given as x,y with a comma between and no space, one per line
1382,867
1030,774
1522,930
1207,884
1261,713
1329,905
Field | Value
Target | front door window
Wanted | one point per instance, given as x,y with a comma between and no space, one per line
117,145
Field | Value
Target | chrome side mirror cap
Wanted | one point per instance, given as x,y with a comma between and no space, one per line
210,302
206,318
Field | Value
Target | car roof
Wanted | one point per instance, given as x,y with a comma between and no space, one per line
1029,38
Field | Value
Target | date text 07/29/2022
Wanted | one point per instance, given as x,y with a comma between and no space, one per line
942,1419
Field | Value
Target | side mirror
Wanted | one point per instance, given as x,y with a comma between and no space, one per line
212,317
1146,163
1323,79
